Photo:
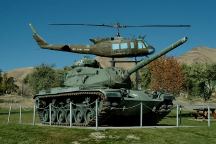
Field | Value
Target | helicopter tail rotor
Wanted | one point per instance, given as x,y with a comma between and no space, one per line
40,41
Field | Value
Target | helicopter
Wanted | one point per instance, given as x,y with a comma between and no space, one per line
113,47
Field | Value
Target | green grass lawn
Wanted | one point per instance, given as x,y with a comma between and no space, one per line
26,134
14,133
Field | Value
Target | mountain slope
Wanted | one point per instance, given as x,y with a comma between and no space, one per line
20,74
199,55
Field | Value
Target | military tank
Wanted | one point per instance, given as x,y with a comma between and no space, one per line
117,103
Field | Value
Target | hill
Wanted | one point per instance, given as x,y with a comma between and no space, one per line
20,74
199,55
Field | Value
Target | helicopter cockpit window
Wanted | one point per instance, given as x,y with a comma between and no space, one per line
132,44
123,45
115,46
145,44
141,45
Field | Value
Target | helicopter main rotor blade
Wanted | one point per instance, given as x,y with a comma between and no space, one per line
127,26
118,25
102,25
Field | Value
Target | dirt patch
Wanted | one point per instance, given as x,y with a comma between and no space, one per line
75,142
132,137
97,135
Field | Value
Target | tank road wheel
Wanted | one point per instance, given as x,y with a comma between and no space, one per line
61,116
79,117
89,115
45,115
67,116
54,115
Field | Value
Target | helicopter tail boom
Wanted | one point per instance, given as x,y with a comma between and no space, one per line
40,41
68,48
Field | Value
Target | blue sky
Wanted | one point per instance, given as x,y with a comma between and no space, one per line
18,49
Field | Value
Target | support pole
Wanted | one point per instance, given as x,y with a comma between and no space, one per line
50,114
209,118
180,115
113,62
20,117
9,115
34,110
177,115
70,114
141,114
96,124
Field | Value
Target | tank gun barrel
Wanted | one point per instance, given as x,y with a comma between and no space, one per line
154,57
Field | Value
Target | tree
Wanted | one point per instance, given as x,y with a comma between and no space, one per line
10,85
1,83
44,77
210,79
188,82
7,84
200,79
145,77
166,75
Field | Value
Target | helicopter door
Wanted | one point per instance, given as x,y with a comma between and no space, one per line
120,48
124,45
115,46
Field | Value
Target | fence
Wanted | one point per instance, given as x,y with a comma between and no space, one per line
16,114
203,115
180,116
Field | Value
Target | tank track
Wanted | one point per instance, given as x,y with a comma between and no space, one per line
103,108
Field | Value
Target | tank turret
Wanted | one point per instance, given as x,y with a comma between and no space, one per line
86,62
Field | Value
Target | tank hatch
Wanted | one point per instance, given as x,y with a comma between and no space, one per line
86,62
